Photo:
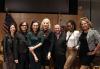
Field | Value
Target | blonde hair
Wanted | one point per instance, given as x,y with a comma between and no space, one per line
87,21
41,26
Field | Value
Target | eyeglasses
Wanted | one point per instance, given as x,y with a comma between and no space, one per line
23,25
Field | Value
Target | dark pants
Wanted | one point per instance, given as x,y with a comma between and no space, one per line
10,65
10,62
23,61
33,64
59,61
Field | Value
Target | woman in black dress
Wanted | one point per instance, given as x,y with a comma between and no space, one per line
9,44
47,35
34,45
89,43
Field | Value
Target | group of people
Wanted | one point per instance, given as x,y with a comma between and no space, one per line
40,46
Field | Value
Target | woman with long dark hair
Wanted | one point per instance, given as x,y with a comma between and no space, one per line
34,45
9,44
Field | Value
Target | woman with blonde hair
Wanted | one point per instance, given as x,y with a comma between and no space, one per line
89,43
47,36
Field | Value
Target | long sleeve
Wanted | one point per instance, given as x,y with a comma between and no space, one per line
97,36
29,39
52,41
41,37
97,42
5,47
15,49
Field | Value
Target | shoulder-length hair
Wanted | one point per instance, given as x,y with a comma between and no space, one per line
22,24
43,21
87,21
34,21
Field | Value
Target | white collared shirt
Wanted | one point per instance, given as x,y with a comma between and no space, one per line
73,39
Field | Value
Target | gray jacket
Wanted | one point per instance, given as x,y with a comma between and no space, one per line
93,38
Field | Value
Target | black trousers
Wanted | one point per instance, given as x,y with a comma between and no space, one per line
23,61
59,61
33,64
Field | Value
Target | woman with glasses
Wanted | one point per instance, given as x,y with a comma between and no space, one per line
34,47
23,53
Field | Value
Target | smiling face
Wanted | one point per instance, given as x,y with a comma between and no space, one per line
12,28
24,27
69,26
46,24
84,25
57,29
35,26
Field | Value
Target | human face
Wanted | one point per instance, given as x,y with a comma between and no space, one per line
84,25
12,29
24,27
46,24
69,27
57,29
35,26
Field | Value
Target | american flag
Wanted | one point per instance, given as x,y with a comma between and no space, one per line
8,21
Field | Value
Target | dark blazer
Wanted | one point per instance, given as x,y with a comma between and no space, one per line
9,46
22,42
60,44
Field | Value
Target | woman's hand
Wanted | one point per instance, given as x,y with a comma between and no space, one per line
16,61
31,49
36,58
92,53
49,55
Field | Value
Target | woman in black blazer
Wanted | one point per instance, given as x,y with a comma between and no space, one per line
9,44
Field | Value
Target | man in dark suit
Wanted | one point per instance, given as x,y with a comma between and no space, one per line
59,48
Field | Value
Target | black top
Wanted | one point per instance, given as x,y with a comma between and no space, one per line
60,44
9,46
22,42
47,40
83,43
